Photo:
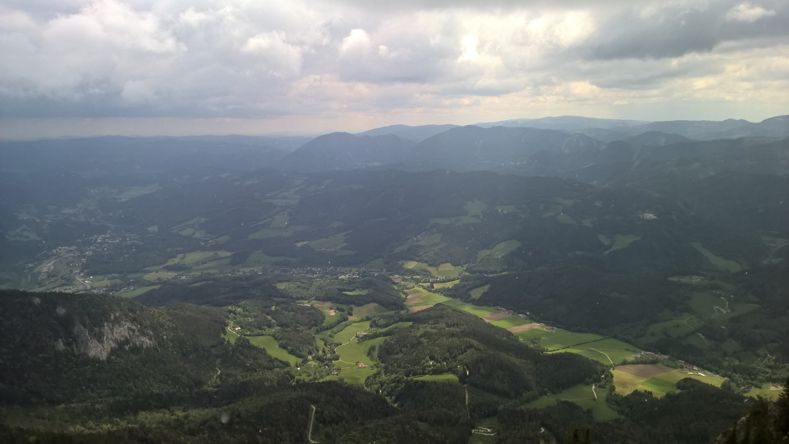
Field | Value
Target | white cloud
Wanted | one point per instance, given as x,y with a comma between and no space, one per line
276,55
748,12
358,41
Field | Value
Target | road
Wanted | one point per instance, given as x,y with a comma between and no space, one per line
604,354
309,427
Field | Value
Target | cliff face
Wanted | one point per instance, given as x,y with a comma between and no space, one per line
111,335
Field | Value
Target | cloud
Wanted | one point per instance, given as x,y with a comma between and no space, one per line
747,12
321,59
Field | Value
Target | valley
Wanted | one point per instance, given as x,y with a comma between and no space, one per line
496,301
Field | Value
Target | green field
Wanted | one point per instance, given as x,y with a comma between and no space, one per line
271,346
605,351
510,322
419,298
448,284
354,364
476,310
718,262
367,310
445,270
198,257
477,293
552,339
267,233
582,396
499,250
619,242
160,275
331,243
768,391
130,294
656,378
330,312
357,292
443,377
350,331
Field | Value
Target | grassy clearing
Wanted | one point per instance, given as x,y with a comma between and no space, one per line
272,347
605,351
331,243
582,396
511,322
708,305
258,258
198,257
358,292
419,299
499,250
447,271
267,233
672,328
767,391
230,336
656,378
354,363
443,377
475,310
718,262
775,243
157,276
553,339
350,331
330,312
367,310
477,293
131,294
444,285
620,242
444,270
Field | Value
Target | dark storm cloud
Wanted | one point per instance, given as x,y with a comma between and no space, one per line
679,29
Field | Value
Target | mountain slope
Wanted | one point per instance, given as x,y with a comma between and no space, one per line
473,148
344,151
413,133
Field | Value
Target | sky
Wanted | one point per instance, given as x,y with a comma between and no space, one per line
149,67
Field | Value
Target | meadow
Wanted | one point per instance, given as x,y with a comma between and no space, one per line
270,344
583,396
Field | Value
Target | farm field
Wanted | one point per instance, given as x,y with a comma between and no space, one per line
367,310
443,377
582,396
718,262
419,299
445,285
271,346
499,250
477,293
131,294
445,270
605,351
554,339
194,258
330,312
656,378
619,242
354,364
767,391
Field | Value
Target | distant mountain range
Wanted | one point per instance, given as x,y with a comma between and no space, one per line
522,145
